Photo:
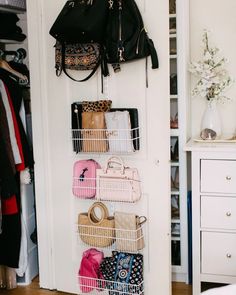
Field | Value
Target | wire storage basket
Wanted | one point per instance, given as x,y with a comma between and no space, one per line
14,4
125,240
96,286
119,141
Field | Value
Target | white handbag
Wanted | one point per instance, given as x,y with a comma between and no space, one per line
119,131
117,183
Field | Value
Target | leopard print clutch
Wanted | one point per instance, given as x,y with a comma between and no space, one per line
96,106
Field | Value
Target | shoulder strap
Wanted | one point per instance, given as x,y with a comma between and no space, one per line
153,53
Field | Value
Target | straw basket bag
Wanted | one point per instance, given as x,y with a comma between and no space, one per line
94,231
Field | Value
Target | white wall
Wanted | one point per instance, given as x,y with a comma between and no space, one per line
219,17
51,98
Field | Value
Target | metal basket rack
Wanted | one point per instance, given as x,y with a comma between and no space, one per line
124,240
98,286
108,189
17,6
119,141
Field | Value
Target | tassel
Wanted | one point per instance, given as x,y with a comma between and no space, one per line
25,177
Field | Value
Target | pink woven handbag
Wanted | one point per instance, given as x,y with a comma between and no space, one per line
118,183
89,274
84,178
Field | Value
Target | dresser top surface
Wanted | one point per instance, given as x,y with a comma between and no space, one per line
197,146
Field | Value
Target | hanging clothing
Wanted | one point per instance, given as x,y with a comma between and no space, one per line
19,166
8,186
4,130
15,92
9,206
10,121
10,237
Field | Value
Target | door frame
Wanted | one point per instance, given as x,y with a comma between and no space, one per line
41,145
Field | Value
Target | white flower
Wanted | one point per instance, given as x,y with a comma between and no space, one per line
213,78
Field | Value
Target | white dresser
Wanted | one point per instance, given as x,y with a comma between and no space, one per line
213,212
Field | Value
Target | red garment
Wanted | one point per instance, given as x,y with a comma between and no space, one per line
9,206
21,166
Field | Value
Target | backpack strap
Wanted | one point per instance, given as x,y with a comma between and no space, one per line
104,64
153,53
63,50
104,68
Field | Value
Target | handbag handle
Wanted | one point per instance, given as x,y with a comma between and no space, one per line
92,215
116,160
140,221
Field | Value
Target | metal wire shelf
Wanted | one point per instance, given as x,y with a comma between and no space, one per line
96,286
17,6
107,189
120,239
119,141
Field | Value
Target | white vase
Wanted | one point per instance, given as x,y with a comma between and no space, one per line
211,118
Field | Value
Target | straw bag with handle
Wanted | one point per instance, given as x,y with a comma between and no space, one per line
95,231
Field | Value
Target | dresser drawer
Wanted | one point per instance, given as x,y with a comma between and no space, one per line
218,212
218,176
218,253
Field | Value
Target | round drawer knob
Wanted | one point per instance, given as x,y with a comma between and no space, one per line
228,177
228,214
228,255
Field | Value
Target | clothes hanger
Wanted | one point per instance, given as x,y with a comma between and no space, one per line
4,65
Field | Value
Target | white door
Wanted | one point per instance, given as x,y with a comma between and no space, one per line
51,99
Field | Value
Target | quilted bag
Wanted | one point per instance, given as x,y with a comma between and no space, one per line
129,233
84,178
123,273
117,182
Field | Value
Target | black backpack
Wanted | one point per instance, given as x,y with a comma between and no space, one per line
81,21
80,31
126,38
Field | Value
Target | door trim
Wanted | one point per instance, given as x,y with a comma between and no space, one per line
41,144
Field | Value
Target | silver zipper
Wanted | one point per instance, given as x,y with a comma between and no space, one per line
121,54
120,49
111,2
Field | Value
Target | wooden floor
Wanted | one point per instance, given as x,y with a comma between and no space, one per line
32,289
181,289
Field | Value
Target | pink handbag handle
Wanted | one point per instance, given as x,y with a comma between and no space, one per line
92,215
116,160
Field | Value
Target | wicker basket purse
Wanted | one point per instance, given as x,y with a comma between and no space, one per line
94,231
